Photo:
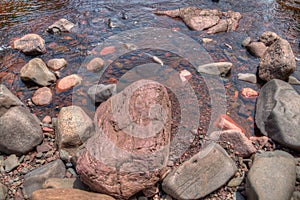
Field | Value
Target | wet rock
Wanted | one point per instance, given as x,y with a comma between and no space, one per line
7,100
30,44
64,183
225,25
278,62
256,49
268,38
3,191
249,93
36,71
11,163
219,68
67,194
62,25
57,64
240,143
205,172
185,75
42,96
278,113
35,179
293,81
224,122
133,126
247,77
95,64
100,93
74,127
20,131
272,176
68,82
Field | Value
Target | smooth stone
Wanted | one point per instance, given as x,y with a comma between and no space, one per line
64,183
95,64
100,93
42,96
11,163
3,191
62,25
57,63
293,80
36,71
219,68
35,179
205,172
7,99
247,77
30,44
272,176
256,49
68,82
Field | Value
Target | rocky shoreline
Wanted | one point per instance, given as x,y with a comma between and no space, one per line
72,156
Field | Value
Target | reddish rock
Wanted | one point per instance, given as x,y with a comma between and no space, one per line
240,143
30,44
185,75
107,50
68,82
57,64
42,96
47,120
224,122
95,64
133,127
249,93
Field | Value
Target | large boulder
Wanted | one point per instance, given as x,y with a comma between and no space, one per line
278,113
278,61
131,144
7,100
271,177
20,131
205,172
30,44
36,71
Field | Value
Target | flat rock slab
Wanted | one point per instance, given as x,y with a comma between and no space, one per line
30,44
271,177
205,172
278,113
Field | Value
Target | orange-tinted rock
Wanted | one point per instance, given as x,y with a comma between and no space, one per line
224,122
107,50
30,44
185,75
42,96
94,64
249,93
47,120
56,64
68,82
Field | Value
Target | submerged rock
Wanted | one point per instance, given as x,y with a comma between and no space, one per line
30,44
218,68
100,93
57,63
42,96
62,25
68,82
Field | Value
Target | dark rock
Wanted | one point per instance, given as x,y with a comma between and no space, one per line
132,129
11,163
35,179
205,172
278,62
20,131
36,71
64,183
278,113
7,100
57,64
100,93
42,96
3,191
30,44
67,194
272,176
219,68
62,25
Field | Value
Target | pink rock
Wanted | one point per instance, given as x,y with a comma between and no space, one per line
224,122
107,50
185,75
68,82
42,96
47,120
94,64
249,93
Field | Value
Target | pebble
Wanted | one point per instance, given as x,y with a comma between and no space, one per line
247,77
39,155
57,64
68,82
42,96
11,163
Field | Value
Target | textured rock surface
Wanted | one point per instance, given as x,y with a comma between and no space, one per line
202,174
100,93
64,183
62,25
278,113
68,82
7,100
272,176
20,131
30,44
57,63
35,179
36,71
3,191
133,127
42,96
67,194
11,163
268,38
278,62
219,68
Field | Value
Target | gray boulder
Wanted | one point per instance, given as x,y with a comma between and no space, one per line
278,113
100,93
7,100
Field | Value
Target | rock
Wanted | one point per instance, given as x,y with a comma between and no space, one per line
35,179
272,176
67,194
30,44
42,96
219,68
247,77
95,64
20,131
246,42
74,127
268,38
298,173
257,49
36,71
205,172
293,81
64,183
296,195
278,62
47,119
278,113
43,148
185,75
68,82
11,163
3,191
235,182
224,122
132,129
57,64
225,25
7,100
240,143
62,25
249,93
100,93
